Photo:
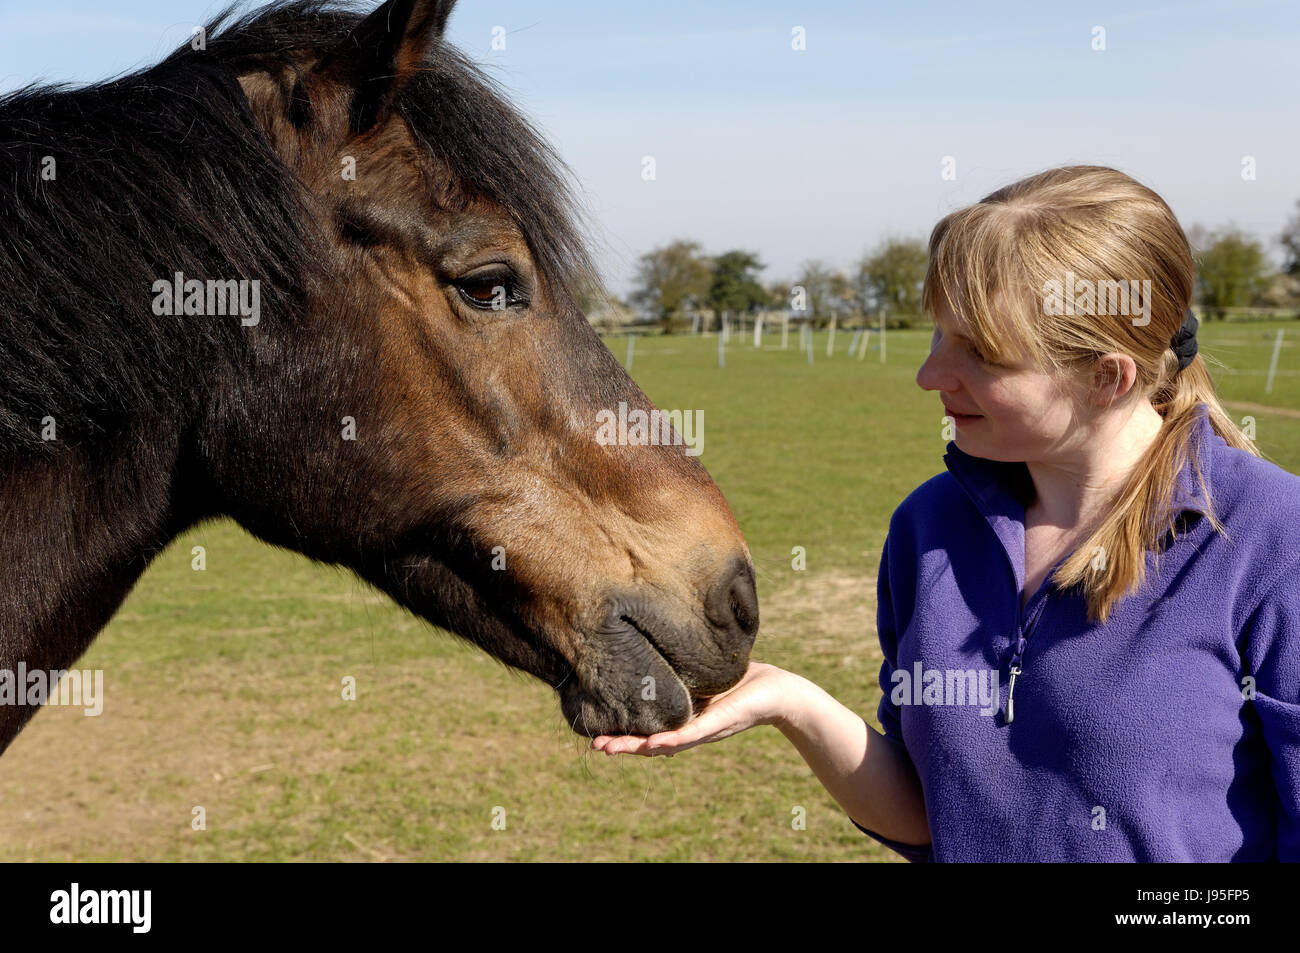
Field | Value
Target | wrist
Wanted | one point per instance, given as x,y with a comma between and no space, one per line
795,698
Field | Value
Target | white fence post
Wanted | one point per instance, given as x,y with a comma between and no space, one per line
1272,364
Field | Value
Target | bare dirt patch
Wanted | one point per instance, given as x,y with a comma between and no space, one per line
1262,408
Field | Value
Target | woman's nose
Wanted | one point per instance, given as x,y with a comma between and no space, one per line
935,372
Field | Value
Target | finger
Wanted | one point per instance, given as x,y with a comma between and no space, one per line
714,722
617,744
710,724
664,743
625,744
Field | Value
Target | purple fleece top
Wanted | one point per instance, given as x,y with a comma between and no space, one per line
1129,741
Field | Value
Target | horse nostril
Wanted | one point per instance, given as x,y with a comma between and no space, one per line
732,604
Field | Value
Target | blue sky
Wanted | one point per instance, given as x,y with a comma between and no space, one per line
821,153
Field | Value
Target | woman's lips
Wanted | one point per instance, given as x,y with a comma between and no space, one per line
962,418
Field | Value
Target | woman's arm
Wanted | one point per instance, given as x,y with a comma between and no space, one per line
870,776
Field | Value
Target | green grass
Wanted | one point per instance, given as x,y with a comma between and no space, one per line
223,687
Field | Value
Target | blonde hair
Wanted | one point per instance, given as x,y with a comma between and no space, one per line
992,263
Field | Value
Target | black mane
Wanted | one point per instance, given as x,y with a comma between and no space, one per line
167,170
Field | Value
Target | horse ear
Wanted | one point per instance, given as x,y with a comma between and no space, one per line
385,51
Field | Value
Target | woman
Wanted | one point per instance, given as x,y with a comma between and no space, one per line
1091,621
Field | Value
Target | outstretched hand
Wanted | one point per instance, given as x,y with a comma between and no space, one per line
757,699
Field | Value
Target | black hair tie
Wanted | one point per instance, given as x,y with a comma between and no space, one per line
1184,342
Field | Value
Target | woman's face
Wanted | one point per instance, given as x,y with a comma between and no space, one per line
1016,412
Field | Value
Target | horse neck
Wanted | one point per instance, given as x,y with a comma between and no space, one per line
77,529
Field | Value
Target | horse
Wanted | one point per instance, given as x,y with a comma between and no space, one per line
313,272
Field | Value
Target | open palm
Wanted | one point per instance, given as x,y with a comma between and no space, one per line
755,700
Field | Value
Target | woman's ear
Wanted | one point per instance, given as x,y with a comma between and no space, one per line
1113,376
385,50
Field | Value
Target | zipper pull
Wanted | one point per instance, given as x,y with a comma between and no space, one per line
1011,691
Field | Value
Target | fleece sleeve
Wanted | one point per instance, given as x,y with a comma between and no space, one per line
887,712
1272,656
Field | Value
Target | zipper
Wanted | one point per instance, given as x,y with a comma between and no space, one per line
1022,632
1022,639
1018,660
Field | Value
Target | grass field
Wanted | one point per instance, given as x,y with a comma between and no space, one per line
222,687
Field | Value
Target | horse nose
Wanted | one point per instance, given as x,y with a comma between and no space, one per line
732,606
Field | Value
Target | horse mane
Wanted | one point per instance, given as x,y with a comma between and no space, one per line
166,169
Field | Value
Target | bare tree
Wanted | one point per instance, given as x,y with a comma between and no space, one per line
815,280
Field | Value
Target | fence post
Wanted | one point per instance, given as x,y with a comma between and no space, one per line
1272,364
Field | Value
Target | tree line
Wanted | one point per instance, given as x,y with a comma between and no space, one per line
679,280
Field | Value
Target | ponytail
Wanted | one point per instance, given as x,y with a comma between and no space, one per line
1111,563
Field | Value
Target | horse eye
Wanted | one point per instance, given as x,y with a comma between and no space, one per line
494,290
